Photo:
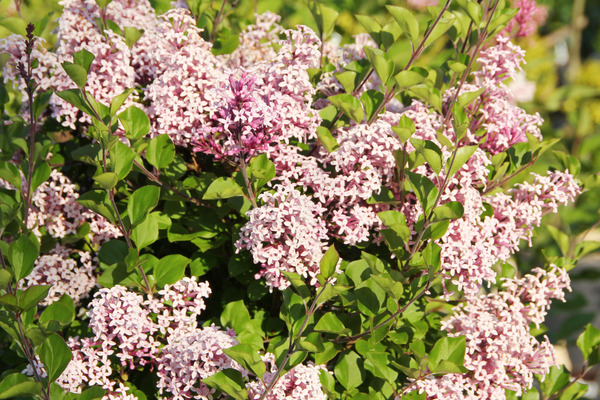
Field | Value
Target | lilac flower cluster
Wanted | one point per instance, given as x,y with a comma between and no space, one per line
68,272
81,27
162,331
529,17
56,212
500,351
292,226
340,183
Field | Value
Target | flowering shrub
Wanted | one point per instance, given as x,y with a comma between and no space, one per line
352,214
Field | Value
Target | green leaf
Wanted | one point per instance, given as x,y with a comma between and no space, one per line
371,26
396,221
5,277
370,297
55,355
135,122
347,79
330,323
4,57
248,358
15,25
97,201
423,188
555,380
371,100
10,173
380,62
349,370
84,59
429,95
330,350
62,310
229,381
313,342
103,3
327,139
75,98
160,151
22,254
462,156
407,22
40,174
350,105
145,233
18,385
430,152
76,72
132,35
141,202
450,210
10,302
107,180
93,393
444,24
118,101
446,352
405,128
261,170
561,238
122,160
589,344
329,262
170,269
222,188
467,98
33,295
391,286
236,316
324,18
406,79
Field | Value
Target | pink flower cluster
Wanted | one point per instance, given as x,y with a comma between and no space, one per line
68,271
132,329
162,331
57,212
500,352
240,103
243,126
80,27
337,186
529,17
295,235
502,122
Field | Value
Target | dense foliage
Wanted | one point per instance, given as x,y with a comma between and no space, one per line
198,206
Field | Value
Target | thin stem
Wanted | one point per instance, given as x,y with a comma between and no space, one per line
293,342
111,196
155,179
508,177
26,73
415,55
354,93
251,194
392,317
24,340
556,395
217,21
30,355
448,115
